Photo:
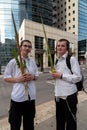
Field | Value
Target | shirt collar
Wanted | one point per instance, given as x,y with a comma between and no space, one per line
63,56
23,58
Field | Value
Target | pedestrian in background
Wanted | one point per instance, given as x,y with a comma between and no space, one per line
21,105
65,88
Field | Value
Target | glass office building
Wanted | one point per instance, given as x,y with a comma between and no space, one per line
28,9
82,31
82,19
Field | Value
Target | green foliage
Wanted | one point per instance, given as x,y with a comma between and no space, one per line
15,55
24,63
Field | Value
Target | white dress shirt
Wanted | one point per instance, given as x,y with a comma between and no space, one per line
66,86
18,93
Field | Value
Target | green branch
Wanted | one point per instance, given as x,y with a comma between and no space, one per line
48,48
18,47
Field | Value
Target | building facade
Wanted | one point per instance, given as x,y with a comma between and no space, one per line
29,9
82,31
82,20
65,14
71,16
82,53
34,32
25,9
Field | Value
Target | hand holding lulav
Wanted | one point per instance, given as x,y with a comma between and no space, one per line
20,63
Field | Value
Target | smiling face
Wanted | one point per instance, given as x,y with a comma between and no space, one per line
61,47
25,48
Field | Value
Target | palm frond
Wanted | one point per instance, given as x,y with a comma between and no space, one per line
17,41
48,48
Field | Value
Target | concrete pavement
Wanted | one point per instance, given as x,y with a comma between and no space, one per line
50,123
45,115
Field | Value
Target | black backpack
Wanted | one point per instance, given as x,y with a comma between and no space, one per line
79,84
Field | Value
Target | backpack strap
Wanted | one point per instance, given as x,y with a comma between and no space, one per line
68,62
56,61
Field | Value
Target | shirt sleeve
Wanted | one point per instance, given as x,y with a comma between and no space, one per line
36,73
75,76
9,70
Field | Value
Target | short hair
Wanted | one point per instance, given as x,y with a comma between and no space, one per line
24,41
67,42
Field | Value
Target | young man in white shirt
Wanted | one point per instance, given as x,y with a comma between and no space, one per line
22,99
65,88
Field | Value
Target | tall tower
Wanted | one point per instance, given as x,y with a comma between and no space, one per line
71,16
22,9
65,15
32,9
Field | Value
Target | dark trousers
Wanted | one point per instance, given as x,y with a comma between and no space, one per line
66,113
22,109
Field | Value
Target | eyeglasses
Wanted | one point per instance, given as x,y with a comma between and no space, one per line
27,46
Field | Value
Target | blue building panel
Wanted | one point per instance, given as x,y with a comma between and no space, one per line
82,19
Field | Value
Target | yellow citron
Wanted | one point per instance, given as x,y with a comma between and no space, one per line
53,70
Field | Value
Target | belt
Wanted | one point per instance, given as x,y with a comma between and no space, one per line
57,98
